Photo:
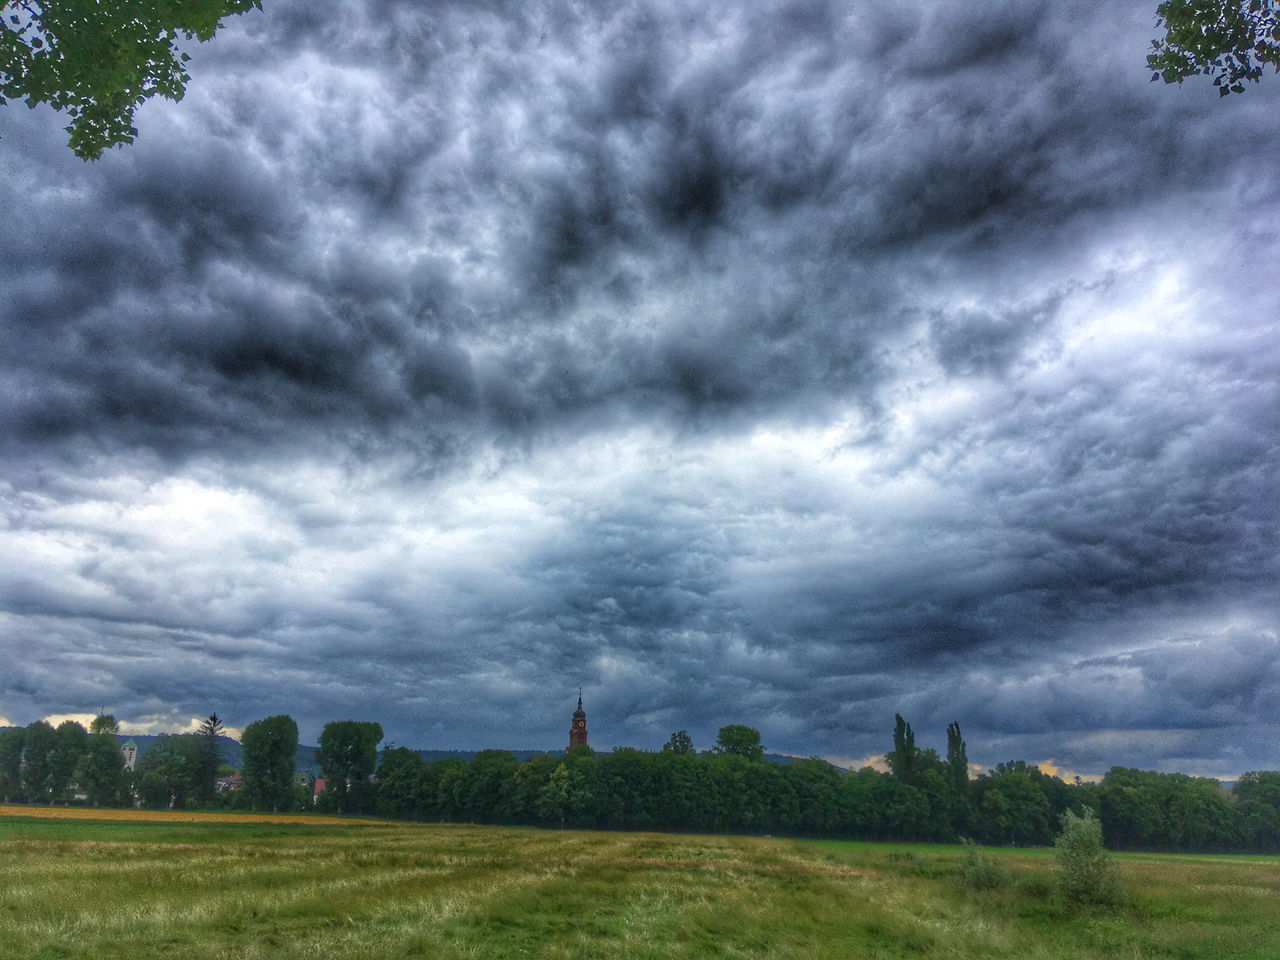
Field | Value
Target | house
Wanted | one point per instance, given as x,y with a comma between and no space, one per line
228,784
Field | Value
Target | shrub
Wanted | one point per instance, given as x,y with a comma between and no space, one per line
1086,874
979,869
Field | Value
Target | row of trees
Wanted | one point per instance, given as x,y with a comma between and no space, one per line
41,764
922,797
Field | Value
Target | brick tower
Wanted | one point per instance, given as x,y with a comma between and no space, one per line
578,730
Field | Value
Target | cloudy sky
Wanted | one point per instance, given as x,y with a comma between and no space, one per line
790,364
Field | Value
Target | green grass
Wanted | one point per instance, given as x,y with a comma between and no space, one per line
108,889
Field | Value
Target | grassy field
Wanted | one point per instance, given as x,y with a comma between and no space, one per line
189,885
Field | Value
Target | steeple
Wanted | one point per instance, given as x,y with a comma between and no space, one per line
578,729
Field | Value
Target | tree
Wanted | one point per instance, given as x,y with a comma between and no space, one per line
170,773
400,784
37,761
1143,809
347,756
205,784
268,757
1230,40
815,786
100,61
957,759
68,748
104,723
902,759
553,798
488,786
958,775
101,770
680,743
1012,808
1086,873
1257,797
741,740
11,742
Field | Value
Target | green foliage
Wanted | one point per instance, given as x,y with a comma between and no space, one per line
979,869
721,791
1086,874
903,757
37,761
1230,40
1142,809
172,771
11,743
400,783
99,61
957,757
1014,809
268,751
487,788
741,740
101,770
679,742
1256,796
204,787
104,723
347,756
553,798
68,748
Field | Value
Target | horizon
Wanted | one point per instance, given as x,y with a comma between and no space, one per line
874,761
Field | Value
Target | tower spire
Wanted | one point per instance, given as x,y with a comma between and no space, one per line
578,728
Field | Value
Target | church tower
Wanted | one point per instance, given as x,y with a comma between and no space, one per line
578,730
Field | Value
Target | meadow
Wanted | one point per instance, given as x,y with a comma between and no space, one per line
129,884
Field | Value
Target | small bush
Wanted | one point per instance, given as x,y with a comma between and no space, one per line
1086,874
979,869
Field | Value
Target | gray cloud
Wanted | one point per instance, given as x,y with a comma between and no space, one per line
794,365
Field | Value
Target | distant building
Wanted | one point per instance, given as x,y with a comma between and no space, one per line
228,784
578,729
130,751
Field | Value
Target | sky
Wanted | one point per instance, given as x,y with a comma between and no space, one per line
793,364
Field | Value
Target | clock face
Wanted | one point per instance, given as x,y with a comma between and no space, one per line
581,724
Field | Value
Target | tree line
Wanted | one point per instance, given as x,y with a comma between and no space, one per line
923,796
43,764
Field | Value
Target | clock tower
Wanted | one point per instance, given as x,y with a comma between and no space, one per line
578,729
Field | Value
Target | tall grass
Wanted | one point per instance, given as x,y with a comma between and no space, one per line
249,890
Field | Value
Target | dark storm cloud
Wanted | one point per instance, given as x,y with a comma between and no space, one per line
793,364
694,167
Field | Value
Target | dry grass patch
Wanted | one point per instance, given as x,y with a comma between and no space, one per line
172,816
